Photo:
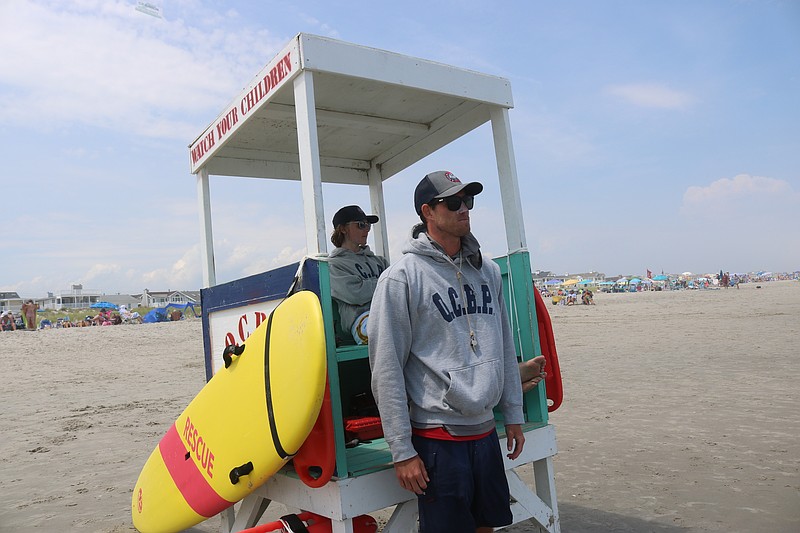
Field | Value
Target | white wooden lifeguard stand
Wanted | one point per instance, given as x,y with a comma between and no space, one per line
327,111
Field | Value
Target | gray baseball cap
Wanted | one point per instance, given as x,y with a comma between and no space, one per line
441,184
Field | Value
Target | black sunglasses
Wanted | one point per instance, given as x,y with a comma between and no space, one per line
361,224
453,203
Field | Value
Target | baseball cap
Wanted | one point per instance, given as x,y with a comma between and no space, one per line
441,184
352,213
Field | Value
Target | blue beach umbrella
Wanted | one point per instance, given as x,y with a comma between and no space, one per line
104,305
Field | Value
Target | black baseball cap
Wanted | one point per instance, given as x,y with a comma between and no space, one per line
352,213
441,184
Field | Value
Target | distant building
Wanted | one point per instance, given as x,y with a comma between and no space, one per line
595,277
541,277
10,301
128,300
75,298
162,298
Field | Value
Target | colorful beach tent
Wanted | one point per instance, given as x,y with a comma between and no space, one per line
160,314
570,282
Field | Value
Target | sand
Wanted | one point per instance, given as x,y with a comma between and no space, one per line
681,413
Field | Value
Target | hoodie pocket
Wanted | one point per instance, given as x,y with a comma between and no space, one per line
474,389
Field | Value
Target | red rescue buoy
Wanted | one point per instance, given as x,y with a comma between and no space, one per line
315,461
313,523
555,392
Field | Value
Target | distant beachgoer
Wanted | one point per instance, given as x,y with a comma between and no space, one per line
29,309
587,298
7,321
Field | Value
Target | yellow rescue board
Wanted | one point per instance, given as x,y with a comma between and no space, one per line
242,427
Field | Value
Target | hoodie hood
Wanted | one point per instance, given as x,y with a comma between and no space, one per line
345,251
420,243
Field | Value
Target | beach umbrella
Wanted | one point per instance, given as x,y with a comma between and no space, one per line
586,282
103,305
553,282
635,281
661,277
570,282
622,281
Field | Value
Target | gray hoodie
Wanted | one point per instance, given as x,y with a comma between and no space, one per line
353,279
425,370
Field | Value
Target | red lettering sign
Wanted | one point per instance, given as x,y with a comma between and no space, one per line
243,331
203,146
266,84
279,70
203,455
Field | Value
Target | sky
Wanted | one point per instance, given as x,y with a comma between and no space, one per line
648,135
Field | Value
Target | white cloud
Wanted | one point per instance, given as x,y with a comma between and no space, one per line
651,95
104,64
726,193
184,273
321,27
99,271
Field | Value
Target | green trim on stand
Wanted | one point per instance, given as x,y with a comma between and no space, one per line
333,368
518,292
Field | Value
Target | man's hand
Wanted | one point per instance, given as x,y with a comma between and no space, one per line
412,475
516,440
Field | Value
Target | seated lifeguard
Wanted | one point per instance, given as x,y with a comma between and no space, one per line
354,269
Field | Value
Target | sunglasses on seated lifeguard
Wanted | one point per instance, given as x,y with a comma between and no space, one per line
361,224
453,203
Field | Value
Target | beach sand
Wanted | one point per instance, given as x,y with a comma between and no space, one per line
681,413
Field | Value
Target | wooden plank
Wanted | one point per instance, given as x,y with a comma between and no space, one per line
352,121
329,55
207,239
443,131
310,174
403,519
527,505
509,186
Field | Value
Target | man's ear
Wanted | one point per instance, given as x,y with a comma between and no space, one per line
427,210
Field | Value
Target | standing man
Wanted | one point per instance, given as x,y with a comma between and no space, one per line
29,310
442,357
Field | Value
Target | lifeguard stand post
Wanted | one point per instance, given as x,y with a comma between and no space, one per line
328,111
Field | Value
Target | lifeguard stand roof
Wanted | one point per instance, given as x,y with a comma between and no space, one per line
374,109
